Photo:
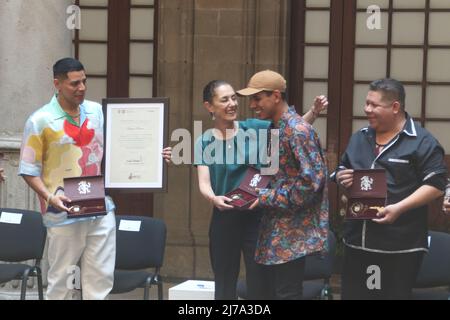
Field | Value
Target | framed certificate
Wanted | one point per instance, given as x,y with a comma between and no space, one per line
136,131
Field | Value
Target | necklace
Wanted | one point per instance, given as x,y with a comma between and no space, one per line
228,142
74,116
379,148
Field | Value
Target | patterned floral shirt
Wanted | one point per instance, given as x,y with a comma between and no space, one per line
55,147
296,222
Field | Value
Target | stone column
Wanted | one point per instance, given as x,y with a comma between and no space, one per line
34,36
175,76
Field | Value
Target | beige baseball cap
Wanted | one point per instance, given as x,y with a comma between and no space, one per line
267,80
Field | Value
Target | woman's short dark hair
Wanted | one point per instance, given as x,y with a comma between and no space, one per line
210,89
62,67
392,89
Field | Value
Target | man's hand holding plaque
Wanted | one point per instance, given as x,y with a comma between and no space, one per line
366,193
247,192
87,195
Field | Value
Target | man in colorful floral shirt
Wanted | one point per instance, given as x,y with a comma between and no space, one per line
296,220
65,139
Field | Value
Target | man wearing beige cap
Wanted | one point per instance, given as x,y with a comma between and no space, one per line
296,220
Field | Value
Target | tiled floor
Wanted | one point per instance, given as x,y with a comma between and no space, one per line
138,294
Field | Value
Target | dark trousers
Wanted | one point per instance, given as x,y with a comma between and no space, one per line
286,280
232,232
397,274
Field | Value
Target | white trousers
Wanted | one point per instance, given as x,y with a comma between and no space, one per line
93,244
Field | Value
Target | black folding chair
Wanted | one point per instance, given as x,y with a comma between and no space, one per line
139,249
22,238
433,280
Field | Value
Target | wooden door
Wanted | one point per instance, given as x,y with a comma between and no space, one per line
116,44
339,48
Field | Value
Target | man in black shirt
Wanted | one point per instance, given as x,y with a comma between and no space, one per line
394,243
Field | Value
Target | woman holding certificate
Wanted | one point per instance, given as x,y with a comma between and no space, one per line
223,156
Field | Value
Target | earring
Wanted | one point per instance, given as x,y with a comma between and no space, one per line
213,116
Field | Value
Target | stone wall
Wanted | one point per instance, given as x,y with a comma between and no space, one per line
200,41
30,43
33,38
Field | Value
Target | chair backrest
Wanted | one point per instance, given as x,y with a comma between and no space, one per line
320,266
143,248
435,268
22,237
